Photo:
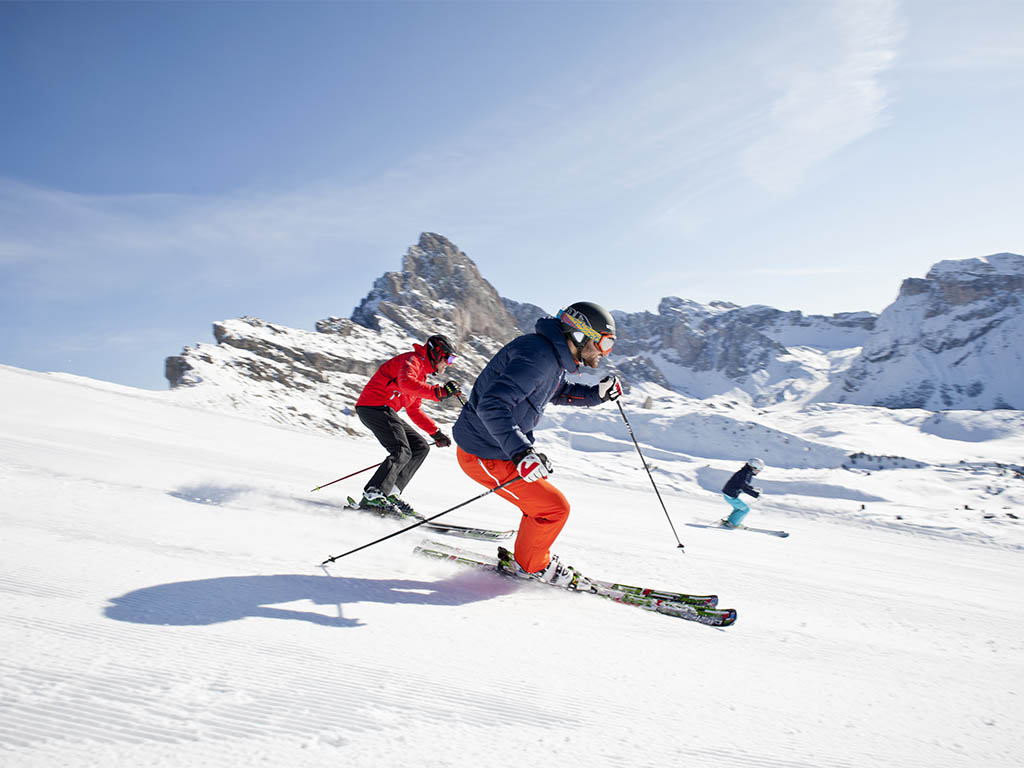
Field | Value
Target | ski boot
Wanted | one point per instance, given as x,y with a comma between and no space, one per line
375,501
556,573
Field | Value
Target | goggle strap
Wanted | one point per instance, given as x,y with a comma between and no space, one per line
584,331
579,325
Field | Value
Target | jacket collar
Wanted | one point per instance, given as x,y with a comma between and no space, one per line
421,352
551,329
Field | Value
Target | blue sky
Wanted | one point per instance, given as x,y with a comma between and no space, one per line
164,166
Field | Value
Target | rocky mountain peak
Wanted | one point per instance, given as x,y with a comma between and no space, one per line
439,290
1011,264
949,284
953,339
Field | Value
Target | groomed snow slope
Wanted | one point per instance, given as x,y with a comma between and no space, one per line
161,607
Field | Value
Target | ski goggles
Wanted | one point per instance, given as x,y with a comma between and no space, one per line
450,359
603,341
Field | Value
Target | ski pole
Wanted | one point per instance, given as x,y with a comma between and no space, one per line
630,428
346,477
421,522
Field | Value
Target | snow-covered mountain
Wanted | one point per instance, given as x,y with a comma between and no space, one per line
950,341
954,339
756,353
313,378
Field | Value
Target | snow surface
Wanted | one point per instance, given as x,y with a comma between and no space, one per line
161,604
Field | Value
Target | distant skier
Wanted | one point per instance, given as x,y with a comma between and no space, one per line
740,483
401,383
494,432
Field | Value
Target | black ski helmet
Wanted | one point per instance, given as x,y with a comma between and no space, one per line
586,320
438,348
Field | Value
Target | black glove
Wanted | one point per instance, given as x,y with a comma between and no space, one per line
447,390
609,388
441,440
531,465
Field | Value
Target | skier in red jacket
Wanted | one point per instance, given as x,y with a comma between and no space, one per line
401,383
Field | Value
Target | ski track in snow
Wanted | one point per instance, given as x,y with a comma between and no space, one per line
161,607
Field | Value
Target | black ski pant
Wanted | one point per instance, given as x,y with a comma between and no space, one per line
405,446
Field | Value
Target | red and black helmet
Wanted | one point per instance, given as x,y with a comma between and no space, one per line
440,348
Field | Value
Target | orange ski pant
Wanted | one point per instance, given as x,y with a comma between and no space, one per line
545,508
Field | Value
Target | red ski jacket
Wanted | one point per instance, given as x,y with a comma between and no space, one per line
400,383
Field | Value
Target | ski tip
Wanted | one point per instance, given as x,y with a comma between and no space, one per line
719,618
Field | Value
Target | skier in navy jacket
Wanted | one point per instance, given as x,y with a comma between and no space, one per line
737,484
494,432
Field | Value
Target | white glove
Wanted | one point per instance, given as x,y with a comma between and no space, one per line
609,388
532,466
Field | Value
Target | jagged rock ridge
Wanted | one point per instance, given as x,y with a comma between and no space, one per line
439,290
260,367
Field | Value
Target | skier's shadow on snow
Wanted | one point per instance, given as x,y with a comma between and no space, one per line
214,601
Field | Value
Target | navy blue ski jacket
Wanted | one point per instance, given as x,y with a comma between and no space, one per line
509,397
740,481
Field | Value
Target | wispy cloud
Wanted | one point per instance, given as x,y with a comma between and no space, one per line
978,59
60,243
829,99
805,271
510,175
644,162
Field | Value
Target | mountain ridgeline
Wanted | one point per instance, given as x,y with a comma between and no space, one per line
951,340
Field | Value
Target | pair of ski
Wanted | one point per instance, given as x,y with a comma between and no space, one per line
720,527
462,531
700,608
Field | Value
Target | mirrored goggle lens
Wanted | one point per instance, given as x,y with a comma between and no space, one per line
450,359
605,344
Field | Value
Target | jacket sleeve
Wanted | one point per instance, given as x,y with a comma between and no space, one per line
747,487
411,380
419,418
496,408
576,394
